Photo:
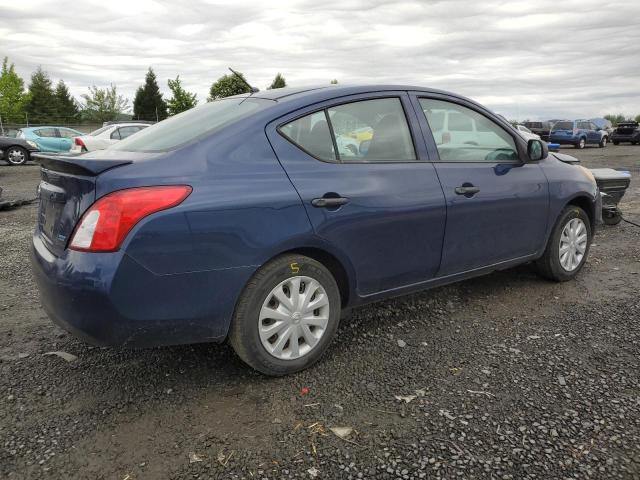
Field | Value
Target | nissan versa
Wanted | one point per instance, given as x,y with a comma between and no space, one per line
259,218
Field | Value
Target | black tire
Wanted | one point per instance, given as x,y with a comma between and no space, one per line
244,335
581,143
616,143
16,155
549,264
603,142
611,218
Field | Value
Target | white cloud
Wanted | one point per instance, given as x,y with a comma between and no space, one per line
526,59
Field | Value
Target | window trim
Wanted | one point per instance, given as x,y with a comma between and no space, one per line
397,95
517,139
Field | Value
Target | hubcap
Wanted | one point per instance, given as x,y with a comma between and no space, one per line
15,156
294,317
573,244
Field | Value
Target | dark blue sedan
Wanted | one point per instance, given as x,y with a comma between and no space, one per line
259,218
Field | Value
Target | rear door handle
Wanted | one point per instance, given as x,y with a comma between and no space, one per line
467,190
329,202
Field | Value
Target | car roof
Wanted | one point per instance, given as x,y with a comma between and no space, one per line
327,92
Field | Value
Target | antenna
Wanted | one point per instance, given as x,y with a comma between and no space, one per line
252,89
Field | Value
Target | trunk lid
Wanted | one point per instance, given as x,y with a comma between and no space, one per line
67,188
627,128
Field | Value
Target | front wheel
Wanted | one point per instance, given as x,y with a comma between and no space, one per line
568,246
17,156
581,143
603,142
286,315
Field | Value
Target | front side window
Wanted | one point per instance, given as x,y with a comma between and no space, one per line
464,135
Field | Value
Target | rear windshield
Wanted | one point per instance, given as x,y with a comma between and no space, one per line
100,130
563,126
190,125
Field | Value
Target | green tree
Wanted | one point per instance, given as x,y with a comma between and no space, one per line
637,119
181,99
148,103
67,107
278,82
12,95
334,81
615,119
104,104
226,86
41,105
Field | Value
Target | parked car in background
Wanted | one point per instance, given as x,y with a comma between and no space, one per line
243,219
603,124
50,139
539,128
105,136
628,131
578,133
526,133
16,151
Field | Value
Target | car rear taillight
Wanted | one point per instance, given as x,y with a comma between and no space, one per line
107,222
78,141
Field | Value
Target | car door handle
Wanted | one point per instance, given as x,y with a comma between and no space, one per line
329,202
467,190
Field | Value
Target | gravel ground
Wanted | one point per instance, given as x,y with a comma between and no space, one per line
506,376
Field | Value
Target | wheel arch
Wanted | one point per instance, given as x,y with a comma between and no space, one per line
335,266
585,203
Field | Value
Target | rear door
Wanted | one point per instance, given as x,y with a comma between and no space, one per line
496,204
360,167
47,139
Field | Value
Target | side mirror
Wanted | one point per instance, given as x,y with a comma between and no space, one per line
537,150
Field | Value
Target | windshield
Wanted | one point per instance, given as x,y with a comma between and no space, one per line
190,125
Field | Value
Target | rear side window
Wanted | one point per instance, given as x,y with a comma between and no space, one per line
46,132
466,135
67,133
311,134
356,132
563,126
193,124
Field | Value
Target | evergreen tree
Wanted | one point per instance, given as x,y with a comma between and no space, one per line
181,99
104,104
226,86
12,95
278,82
334,81
41,105
67,107
148,103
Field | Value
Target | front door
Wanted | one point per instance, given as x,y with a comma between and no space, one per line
363,176
496,203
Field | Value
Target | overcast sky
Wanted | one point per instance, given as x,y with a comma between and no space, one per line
524,59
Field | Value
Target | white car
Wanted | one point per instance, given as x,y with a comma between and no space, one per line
105,136
526,133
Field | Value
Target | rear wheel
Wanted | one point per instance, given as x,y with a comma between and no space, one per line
616,143
568,246
581,143
16,155
603,142
286,315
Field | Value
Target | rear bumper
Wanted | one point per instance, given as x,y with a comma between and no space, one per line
110,299
562,140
